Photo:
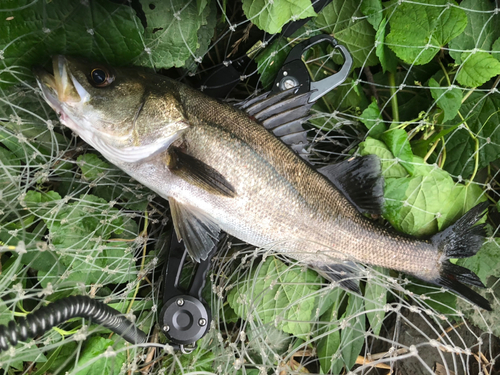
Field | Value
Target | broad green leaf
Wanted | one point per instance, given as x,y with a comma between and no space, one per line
447,98
99,30
481,30
477,68
270,60
495,49
485,263
420,29
171,36
375,299
413,204
397,141
374,10
386,56
464,198
92,166
271,16
391,168
344,20
205,33
328,346
120,265
442,301
373,120
279,294
75,224
352,337
106,364
482,116
63,352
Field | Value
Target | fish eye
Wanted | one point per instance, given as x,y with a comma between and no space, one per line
100,77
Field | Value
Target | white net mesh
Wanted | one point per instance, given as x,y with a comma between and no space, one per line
422,96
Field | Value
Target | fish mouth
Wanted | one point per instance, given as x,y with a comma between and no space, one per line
60,86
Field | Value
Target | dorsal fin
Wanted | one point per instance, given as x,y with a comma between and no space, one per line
360,180
283,113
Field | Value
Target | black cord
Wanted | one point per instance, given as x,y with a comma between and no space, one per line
49,316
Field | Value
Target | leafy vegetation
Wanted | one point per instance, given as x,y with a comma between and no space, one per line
423,90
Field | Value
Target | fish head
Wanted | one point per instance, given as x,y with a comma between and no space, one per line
127,114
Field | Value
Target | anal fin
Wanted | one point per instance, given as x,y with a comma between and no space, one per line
346,274
196,229
198,173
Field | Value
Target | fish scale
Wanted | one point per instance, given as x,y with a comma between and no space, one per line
223,171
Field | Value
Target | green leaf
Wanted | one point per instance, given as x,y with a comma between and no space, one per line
420,30
477,68
397,141
374,10
205,33
106,364
76,223
352,337
372,119
328,345
413,204
92,166
448,99
171,36
485,263
482,116
464,198
63,352
391,168
386,56
99,30
9,171
444,302
200,361
279,294
344,20
376,298
495,49
480,31
270,60
272,16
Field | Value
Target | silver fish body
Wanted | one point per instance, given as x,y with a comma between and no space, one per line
221,170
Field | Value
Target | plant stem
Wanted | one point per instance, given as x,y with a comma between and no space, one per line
394,98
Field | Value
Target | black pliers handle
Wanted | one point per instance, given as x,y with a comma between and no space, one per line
185,316
294,72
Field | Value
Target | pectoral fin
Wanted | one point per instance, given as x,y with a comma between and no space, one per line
197,230
198,173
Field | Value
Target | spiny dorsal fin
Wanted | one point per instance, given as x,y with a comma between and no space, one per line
283,113
198,173
198,231
360,180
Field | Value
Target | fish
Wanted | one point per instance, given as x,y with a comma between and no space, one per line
244,170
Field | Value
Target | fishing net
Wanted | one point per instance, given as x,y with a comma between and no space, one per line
422,95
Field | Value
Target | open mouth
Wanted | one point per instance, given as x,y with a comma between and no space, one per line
59,86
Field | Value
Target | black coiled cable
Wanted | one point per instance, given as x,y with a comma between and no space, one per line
71,307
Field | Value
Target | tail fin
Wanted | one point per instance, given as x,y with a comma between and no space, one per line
462,240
